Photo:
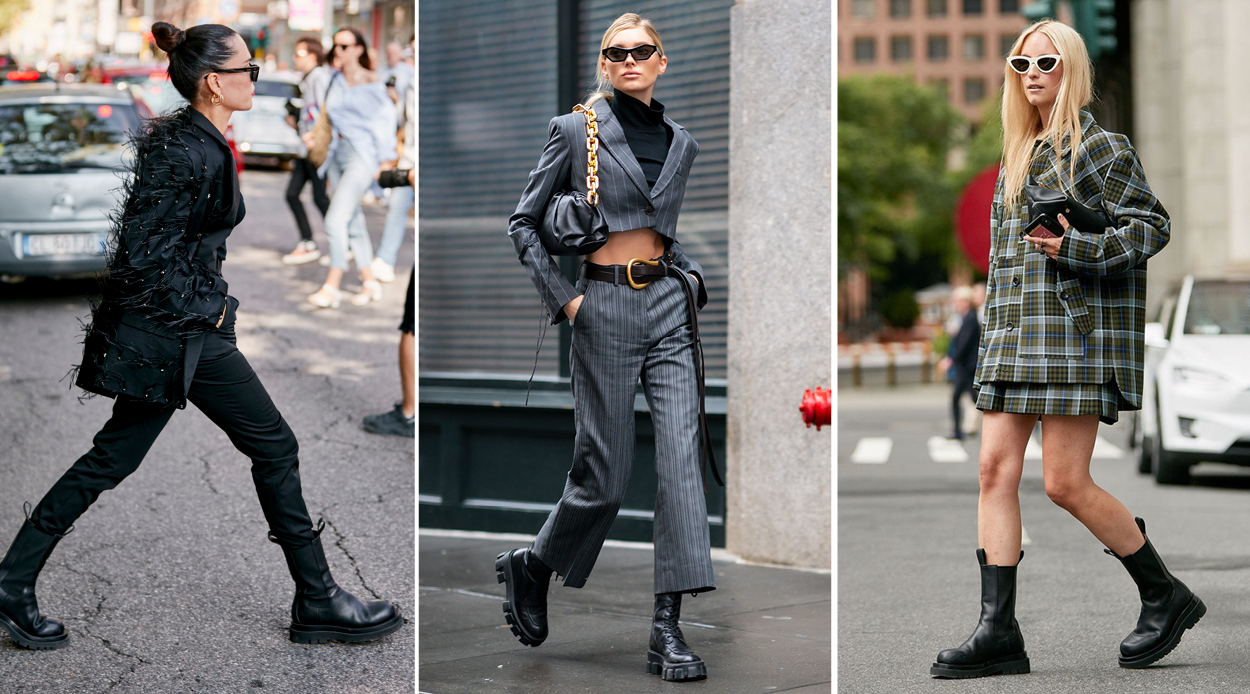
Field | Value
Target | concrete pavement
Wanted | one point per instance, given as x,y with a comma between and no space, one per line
764,629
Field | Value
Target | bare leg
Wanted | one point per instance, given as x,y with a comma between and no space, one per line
1067,444
1003,441
407,369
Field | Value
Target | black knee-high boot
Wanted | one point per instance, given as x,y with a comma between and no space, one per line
19,610
668,655
996,646
1168,607
322,611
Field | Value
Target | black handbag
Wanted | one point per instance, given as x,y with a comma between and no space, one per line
1045,205
573,224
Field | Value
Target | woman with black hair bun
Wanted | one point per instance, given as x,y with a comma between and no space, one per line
163,334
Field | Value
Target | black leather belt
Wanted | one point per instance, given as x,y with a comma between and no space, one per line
638,273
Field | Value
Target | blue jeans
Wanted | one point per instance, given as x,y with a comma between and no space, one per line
349,177
402,200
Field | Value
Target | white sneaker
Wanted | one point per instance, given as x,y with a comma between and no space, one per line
324,261
305,252
381,271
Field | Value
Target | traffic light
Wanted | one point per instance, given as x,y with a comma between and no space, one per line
1095,20
1039,9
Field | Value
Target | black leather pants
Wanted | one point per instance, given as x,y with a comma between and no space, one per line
227,390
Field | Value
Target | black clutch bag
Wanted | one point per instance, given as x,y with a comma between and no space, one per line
573,224
1045,206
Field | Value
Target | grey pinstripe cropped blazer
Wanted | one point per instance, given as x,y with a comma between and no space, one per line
624,197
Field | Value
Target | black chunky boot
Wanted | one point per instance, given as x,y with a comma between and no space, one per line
1168,607
668,655
322,611
19,610
526,607
996,646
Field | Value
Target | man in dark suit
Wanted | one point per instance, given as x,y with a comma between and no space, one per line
961,355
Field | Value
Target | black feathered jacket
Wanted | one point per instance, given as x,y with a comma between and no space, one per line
164,291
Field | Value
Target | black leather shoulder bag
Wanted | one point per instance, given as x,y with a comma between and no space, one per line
573,224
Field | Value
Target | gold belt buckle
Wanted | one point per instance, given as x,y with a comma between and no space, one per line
629,271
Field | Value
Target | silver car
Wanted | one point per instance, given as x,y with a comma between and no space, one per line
62,157
263,130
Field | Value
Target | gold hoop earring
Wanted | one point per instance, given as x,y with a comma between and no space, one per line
216,100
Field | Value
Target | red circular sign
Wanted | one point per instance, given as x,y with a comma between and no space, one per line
972,218
105,110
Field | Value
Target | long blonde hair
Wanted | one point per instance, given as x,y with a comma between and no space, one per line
629,20
1021,123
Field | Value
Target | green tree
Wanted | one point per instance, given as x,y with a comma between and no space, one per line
10,10
895,195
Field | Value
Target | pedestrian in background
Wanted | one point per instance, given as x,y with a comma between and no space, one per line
362,121
1063,342
163,335
634,314
401,420
310,59
960,362
401,200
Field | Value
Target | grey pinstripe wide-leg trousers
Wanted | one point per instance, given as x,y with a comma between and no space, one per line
623,334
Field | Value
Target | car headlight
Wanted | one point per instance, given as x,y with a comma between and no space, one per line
1202,379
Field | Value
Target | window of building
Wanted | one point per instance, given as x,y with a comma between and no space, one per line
942,86
865,49
974,47
974,7
937,8
1005,43
900,49
862,9
900,9
939,48
974,90
1008,6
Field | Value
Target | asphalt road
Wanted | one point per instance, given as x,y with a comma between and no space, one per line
168,583
908,582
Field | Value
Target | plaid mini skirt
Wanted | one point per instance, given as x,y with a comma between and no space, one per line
1102,399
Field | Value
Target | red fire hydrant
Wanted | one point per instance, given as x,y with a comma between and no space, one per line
816,408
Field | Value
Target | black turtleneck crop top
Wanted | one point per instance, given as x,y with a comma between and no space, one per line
646,132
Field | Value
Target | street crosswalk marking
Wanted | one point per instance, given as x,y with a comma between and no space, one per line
872,450
944,450
875,450
1024,536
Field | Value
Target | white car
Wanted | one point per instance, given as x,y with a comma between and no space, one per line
263,132
1196,399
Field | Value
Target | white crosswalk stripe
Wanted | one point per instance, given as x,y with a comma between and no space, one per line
875,450
872,450
944,450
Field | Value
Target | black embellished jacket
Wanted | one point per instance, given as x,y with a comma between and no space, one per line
164,291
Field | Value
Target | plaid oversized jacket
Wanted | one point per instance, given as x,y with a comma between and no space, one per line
1080,318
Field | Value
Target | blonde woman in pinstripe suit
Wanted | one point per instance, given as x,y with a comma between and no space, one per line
1063,342
630,320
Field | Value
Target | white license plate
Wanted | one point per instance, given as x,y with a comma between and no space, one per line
63,244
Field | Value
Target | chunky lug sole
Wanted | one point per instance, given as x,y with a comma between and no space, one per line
503,568
1012,664
301,633
35,643
674,672
1193,612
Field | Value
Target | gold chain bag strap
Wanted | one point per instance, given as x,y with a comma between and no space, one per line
573,224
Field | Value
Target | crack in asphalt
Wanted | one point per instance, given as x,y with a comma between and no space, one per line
208,471
338,542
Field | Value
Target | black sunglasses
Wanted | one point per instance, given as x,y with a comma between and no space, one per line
639,53
345,45
254,69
